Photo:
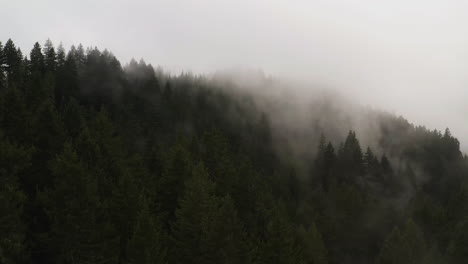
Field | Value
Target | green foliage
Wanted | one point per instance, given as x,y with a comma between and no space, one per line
458,248
14,160
149,240
101,163
207,229
324,163
405,246
50,58
2,63
36,64
313,248
279,234
12,59
81,228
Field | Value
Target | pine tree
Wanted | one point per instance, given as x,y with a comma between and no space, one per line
207,229
329,162
148,243
73,118
415,241
385,165
81,229
14,161
36,64
68,84
176,170
194,219
226,235
278,245
395,250
313,249
61,55
2,65
371,162
320,162
50,58
351,159
48,127
13,62
62,77
324,162
405,246
80,58
218,160
458,247
15,117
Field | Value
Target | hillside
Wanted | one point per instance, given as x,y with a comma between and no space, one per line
104,163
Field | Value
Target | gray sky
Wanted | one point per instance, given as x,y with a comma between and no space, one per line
406,56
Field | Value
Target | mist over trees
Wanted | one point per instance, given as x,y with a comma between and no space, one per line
104,163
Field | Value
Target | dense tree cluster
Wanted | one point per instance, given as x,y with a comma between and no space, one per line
101,163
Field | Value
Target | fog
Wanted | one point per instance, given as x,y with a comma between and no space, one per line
406,57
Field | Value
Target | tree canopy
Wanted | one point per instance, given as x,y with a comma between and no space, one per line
104,163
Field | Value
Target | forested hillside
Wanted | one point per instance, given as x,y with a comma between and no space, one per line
104,163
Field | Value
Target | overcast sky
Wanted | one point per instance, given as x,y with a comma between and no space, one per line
405,56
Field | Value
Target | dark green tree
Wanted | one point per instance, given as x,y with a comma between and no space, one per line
81,230
12,59
207,229
2,66
61,55
36,64
279,243
148,243
324,163
350,159
14,162
177,169
313,249
15,117
405,246
50,57
371,162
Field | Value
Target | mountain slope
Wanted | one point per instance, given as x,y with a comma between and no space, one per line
108,164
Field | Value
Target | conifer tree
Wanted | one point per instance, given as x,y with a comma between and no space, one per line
148,243
370,161
61,55
81,230
177,169
395,249
194,217
278,244
405,246
320,162
385,165
12,59
15,117
80,58
73,118
313,249
457,248
14,161
324,162
50,57
36,64
207,229
351,159
2,65
48,126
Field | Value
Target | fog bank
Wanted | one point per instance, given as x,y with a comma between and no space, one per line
409,58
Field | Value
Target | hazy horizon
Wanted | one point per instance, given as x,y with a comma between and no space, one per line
408,58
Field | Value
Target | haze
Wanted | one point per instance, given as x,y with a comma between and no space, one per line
406,57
